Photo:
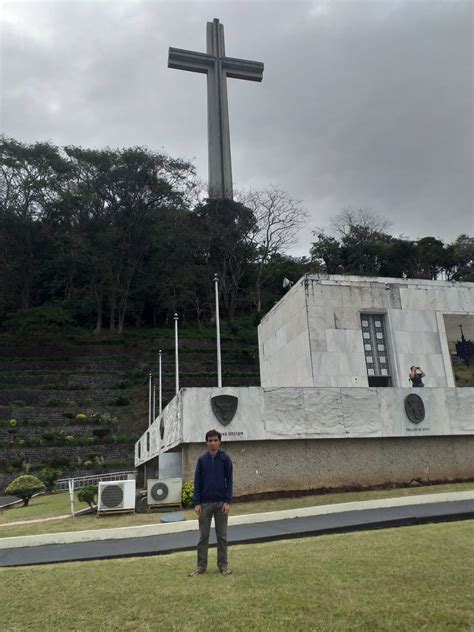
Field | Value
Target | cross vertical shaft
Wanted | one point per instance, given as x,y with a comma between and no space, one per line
218,67
219,159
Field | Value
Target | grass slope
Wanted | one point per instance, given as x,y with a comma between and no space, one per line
412,578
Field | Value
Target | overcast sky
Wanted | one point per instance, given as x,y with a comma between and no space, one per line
363,104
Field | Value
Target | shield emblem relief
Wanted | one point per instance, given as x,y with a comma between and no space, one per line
414,408
224,407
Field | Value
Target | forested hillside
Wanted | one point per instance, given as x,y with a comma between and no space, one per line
118,239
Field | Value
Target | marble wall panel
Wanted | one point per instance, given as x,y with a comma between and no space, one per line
326,364
346,318
284,412
199,416
361,412
460,405
323,412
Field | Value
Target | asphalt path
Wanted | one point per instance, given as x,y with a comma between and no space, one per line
7,500
249,533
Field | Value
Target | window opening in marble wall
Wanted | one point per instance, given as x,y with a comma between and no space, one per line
460,338
375,349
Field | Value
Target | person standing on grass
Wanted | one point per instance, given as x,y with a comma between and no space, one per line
212,497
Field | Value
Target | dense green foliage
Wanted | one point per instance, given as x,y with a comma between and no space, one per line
187,494
358,243
24,487
119,238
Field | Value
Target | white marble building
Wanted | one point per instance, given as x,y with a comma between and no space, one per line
335,354
315,336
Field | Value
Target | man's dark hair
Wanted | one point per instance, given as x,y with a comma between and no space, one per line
213,433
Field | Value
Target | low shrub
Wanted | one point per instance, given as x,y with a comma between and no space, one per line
88,495
60,461
12,422
88,464
69,439
17,403
49,435
68,415
81,417
187,493
101,432
55,402
49,476
24,487
120,401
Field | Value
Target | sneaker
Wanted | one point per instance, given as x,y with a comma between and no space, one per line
226,571
196,571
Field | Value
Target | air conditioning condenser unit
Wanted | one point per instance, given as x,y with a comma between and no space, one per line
116,496
164,491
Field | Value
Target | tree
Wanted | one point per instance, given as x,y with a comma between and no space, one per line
229,227
25,487
460,259
88,494
432,258
357,245
278,219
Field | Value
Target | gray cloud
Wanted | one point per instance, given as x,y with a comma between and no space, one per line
363,104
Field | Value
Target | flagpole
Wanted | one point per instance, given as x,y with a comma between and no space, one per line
149,398
218,333
160,389
176,318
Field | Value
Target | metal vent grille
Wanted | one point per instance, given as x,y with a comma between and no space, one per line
112,496
159,491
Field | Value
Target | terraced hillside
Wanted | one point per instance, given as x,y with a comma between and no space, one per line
79,405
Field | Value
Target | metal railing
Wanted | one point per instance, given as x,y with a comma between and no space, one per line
81,481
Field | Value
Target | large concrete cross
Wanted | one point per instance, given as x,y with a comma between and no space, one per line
218,67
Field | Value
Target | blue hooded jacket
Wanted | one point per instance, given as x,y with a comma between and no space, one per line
213,479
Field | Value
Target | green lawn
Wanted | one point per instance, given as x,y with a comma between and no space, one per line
411,578
57,504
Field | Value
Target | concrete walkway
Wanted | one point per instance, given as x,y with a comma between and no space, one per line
158,539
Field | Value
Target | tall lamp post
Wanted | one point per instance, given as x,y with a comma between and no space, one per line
176,318
150,396
218,333
160,388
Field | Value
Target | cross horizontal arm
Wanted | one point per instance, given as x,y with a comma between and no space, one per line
189,60
243,69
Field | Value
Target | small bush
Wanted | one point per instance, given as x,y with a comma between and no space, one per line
60,461
187,493
108,419
120,401
88,495
69,438
49,435
87,464
49,476
55,402
12,422
68,415
24,487
81,417
17,403
101,432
